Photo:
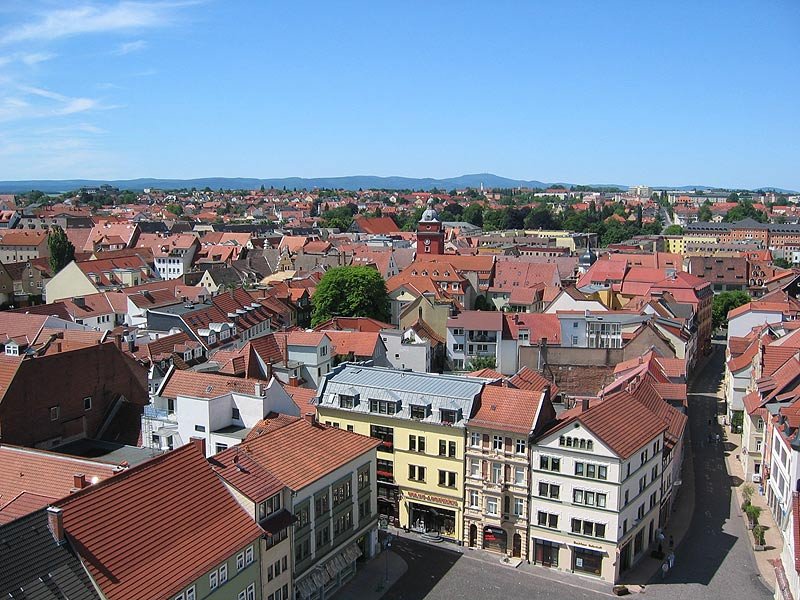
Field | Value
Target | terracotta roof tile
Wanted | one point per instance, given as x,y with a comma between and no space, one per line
207,385
507,409
300,453
152,530
528,379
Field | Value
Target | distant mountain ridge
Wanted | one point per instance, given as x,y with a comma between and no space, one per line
353,182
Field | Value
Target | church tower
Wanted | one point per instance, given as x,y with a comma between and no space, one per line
430,233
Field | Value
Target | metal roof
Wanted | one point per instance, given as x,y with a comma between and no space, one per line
447,392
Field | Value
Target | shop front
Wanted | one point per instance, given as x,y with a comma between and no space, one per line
433,514
587,560
545,552
495,539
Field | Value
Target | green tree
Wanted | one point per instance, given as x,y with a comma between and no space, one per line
481,303
481,362
62,252
350,292
175,209
540,218
473,214
704,214
493,219
673,230
744,210
724,303
782,263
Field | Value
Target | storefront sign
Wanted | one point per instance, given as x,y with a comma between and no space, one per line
431,499
587,546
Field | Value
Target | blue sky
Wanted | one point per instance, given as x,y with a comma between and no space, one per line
660,93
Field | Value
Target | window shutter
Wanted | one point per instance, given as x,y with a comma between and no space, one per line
485,441
508,445
507,477
484,469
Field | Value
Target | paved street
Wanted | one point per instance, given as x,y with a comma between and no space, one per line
713,561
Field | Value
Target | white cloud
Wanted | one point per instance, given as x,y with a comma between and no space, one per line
27,58
92,19
38,103
129,47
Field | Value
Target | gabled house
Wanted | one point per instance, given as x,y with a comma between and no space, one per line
172,514
327,509
219,409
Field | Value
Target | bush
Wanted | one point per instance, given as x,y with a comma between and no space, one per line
758,535
747,492
753,512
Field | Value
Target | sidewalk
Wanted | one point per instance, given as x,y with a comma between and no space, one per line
680,520
370,582
772,536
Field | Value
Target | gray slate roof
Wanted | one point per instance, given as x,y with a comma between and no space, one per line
405,387
30,560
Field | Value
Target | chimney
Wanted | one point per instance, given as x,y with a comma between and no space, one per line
55,522
294,381
269,369
310,417
258,389
118,340
79,481
200,443
584,404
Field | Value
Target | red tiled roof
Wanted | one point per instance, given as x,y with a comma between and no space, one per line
300,453
507,409
353,324
528,379
154,529
376,225
237,468
620,422
486,373
30,479
16,237
359,343
302,398
193,384
775,357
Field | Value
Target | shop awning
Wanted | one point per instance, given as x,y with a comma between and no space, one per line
322,574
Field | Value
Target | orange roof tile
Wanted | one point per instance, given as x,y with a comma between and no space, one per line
194,384
300,453
30,479
507,409
154,529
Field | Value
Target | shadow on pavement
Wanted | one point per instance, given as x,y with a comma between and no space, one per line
427,565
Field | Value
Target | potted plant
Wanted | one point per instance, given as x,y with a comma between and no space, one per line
753,512
758,537
747,492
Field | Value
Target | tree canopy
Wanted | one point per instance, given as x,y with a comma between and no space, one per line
743,210
350,292
725,302
673,230
62,252
481,362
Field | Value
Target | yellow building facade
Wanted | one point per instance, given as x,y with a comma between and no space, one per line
425,462
421,419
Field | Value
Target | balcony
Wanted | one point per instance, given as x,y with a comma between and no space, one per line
486,338
151,412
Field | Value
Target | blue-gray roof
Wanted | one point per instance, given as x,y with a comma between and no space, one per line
448,392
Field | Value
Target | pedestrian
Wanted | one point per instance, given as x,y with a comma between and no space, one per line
664,569
671,559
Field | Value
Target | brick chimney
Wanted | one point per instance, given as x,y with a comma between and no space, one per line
310,417
55,522
200,443
79,481
584,404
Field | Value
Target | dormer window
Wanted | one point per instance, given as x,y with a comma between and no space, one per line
12,349
448,416
420,411
346,401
